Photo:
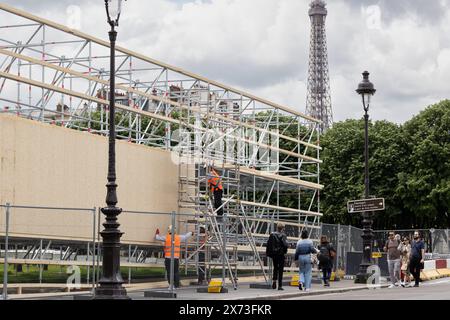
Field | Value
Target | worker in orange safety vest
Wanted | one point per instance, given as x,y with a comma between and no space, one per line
216,188
176,252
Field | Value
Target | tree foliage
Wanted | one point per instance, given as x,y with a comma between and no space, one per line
409,166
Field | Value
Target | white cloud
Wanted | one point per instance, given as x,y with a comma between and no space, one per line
262,46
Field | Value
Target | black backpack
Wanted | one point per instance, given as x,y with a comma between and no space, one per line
275,245
324,255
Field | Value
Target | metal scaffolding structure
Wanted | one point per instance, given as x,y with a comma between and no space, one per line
267,154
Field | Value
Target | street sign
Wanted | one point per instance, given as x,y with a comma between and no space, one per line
365,205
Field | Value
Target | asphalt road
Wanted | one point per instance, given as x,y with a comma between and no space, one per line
430,290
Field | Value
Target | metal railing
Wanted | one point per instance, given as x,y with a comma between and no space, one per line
38,240
343,237
348,239
39,252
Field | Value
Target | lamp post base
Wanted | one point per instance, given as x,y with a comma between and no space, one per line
113,292
110,284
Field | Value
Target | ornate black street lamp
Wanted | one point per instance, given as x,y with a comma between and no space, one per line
366,90
110,284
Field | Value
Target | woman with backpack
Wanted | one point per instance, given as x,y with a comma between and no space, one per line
303,253
276,249
326,256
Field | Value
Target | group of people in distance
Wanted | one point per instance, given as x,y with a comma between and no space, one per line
405,259
305,254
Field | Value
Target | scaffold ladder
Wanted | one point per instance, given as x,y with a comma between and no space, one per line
251,241
220,240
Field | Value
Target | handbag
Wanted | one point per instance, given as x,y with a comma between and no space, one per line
332,253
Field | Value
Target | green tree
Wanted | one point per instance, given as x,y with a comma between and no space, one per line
424,186
409,166
342,172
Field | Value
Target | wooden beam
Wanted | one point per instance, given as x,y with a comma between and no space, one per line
278,208
277,177
265,220
260,235
259,249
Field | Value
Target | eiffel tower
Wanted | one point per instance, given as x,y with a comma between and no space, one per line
318,101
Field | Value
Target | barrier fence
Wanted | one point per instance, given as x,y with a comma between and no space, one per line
75,241
27,240
347,239
40,236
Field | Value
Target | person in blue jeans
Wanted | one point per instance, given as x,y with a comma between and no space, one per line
305,248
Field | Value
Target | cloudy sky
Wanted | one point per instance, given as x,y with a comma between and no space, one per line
262,46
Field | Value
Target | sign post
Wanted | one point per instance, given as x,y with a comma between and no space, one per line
365,205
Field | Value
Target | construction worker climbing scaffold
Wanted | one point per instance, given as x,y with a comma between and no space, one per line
215,185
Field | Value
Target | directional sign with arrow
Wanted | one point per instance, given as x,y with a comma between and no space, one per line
365,205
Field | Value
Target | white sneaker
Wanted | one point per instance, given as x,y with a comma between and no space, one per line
307,290
397,284
391,286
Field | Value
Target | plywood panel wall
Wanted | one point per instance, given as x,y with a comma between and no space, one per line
47,165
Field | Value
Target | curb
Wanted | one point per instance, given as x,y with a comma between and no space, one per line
157,285
304,294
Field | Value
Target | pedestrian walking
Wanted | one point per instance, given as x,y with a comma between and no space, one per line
326,256
276,249
417,257
405,251
303,253
393,259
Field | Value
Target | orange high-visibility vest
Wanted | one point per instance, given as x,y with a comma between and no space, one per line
214,182
176,247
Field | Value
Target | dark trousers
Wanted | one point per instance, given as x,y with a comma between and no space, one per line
176,271
326,273
218,201
414,268
201,267
278,268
